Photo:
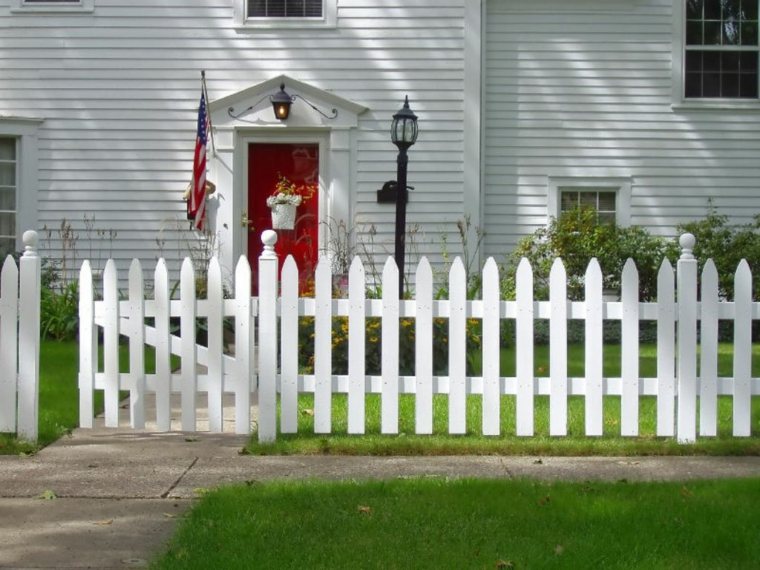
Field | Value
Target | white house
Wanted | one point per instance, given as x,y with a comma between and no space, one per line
647,108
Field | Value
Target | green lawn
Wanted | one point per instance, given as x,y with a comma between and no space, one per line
576,443
439,523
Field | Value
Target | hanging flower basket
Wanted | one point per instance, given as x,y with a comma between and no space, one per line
285,200
283,216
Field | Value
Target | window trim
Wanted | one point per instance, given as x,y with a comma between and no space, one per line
620,185
57,7
679,100
25,130
328,19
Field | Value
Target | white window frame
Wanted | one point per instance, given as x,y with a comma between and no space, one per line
328,19
73,6
620,185
24,130
679,100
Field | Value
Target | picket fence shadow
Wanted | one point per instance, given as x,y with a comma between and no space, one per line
681,396
20,341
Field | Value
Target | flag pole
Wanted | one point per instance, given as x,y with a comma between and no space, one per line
208,112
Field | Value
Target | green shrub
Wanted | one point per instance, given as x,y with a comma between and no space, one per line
59,312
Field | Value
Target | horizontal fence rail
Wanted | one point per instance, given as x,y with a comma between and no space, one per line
686,405
20,342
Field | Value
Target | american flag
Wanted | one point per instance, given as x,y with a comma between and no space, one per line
196,204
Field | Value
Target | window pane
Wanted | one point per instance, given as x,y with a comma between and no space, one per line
711,60
712,9
588,199
711,85
731,9
730,62
749,9
693,87
7,173
748,87
693,61
713,33
694,35
606,201
569,201
694,9
748,61
729,85
8,225
7,247
284,8
7,149
730,33
7,199
606,217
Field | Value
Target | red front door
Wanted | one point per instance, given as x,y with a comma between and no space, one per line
299,163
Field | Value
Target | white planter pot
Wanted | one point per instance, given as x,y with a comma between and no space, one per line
283,216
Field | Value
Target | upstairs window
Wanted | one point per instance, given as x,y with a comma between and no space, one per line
721,49
284,9
8,169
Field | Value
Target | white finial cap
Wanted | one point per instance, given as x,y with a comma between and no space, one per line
687,242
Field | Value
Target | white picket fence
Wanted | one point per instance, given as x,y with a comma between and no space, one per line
681,396
20,342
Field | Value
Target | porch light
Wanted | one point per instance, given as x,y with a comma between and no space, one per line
281,103
404,135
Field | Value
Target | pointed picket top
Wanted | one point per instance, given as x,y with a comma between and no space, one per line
743,273
710,272
135,270
524,268
356,277
558,271
9,274
214,273
390,278
187,271
289,270
85,270
630,268
424,269
490,268
161,271
665,271
110,275
324,270
594,271
457,269
243,274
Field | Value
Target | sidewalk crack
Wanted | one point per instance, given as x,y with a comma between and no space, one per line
185,472
506,468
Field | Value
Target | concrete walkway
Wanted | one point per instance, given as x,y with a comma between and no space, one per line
111,498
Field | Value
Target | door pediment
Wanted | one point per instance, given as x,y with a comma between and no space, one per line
253,107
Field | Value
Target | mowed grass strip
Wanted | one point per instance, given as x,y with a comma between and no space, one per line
439,523
575,443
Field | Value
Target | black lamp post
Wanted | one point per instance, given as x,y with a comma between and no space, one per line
403,135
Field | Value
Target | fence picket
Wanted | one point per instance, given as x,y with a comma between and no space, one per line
594,346
558,349
524,348
8,344
243,348
163,347
357,331
136,315
708,367
629,366
88,348
390,343
188,316
111,343
423,341
323,347
742,350
666,343
457,348
491,400
215,347
289,350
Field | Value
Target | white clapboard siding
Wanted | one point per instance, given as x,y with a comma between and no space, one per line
678,391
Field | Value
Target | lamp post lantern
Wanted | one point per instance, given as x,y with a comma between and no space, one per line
404,135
